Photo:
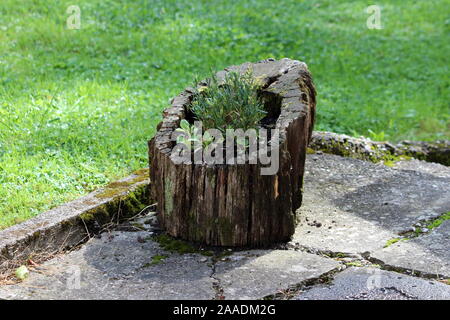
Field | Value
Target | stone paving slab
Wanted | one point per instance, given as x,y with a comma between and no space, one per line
349,206
118,266
428,254
375,284
352,206
258,273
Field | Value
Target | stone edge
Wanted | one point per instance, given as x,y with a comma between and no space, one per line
375,151
73,223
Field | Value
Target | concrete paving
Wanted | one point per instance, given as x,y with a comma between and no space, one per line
259,273
428,254
351,212
375,284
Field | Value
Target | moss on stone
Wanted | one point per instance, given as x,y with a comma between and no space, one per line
389,159
110,192
391,242
170,244
354,264
438,221
354,150
142,173
223,254
173,245
156,259
87,216
117,208
118,187
207,253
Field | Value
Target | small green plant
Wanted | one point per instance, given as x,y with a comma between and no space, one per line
157,259
391,242
437,222
354,264
231,104
22,273
377,136
191,135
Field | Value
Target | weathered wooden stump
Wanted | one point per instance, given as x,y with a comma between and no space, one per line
234,205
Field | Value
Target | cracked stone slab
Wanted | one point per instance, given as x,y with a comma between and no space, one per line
353,206
375,284
428,254
255,274
118,266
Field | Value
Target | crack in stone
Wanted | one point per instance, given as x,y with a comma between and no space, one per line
323,253
417,228
361,260
402,270
219,292
294,290
385,291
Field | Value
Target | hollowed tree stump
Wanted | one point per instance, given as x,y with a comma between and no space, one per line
234,205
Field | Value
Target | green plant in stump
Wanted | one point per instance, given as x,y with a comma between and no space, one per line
231,104
191,135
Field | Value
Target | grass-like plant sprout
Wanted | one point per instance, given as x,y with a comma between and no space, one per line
231,104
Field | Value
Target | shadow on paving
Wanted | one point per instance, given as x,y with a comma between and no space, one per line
350,206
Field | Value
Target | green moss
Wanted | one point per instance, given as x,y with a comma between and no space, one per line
346,149
87,216
389,163
142,173
437,222
390,159
36,235
207,253
310,151
354,264
125,206
118,187
113,189
157,259
429,225
392,241
170,244
223,254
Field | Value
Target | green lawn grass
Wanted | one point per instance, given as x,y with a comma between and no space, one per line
77,106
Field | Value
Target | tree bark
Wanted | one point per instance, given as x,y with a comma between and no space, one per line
234,205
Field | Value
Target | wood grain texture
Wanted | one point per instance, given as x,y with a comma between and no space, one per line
234,205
